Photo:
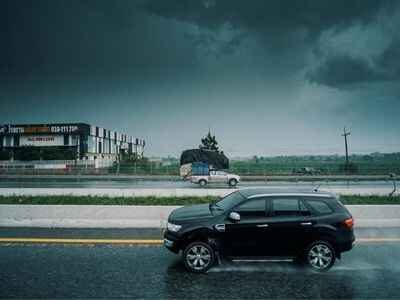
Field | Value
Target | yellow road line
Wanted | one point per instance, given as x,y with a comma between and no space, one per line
81,241
137,241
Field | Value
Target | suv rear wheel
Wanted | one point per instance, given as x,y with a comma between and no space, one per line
198,257
320,256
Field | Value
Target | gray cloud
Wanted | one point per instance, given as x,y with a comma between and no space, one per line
343,70
389,61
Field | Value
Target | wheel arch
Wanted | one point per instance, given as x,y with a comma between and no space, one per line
200,234
326,236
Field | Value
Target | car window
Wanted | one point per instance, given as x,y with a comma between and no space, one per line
220,173
255,207
320,206
288,207
230,200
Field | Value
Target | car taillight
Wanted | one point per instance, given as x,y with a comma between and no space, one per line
349,223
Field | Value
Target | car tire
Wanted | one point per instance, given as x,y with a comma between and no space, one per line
203,182
198,257
320,256
233,182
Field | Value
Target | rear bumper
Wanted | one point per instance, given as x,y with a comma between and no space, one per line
347,245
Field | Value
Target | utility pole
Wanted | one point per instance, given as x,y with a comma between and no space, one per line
345,134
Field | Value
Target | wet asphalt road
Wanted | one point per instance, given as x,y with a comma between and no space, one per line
173,184
109,271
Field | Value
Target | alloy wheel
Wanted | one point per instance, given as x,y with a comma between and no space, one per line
320,256
198,257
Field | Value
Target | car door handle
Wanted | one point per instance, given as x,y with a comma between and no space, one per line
306,224
262,225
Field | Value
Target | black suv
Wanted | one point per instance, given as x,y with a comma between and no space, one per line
312,227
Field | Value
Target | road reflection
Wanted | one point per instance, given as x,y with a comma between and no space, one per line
258,280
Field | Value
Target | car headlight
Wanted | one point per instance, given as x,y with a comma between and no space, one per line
173,227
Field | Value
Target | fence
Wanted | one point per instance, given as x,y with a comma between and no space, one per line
242,168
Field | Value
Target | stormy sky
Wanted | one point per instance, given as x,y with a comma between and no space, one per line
267,77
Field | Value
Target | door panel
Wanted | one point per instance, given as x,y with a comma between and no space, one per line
290,226
287,235
246,238
217,176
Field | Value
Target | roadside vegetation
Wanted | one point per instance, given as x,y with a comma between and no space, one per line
100,200
372,164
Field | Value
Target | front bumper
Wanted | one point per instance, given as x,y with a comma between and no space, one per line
171,242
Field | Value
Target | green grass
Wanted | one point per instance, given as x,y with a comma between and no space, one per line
357,199
100,200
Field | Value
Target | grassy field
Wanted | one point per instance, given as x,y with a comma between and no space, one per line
96,200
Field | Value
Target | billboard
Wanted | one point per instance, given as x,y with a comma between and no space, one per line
77,128
42,140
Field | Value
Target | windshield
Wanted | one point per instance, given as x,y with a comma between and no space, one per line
229,201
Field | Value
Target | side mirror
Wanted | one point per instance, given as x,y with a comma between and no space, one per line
234,216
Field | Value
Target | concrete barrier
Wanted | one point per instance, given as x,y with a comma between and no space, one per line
112,192
114,216
84,216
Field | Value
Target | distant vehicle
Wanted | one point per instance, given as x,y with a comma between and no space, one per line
253,224
305,171
203,167
216,177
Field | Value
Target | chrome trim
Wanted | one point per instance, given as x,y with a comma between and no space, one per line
262,225
264,260
220,227
291,194
306,223
168,243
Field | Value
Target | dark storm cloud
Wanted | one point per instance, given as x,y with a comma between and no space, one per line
343,70
288,30
273,15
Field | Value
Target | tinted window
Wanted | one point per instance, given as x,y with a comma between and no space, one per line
252,205
320,206
255,207
230,201
288,207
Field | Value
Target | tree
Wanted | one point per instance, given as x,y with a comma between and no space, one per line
209,142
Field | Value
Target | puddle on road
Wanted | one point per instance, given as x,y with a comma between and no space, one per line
277,267
257,267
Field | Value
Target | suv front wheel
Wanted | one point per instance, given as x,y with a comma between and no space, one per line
198,257
320,256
